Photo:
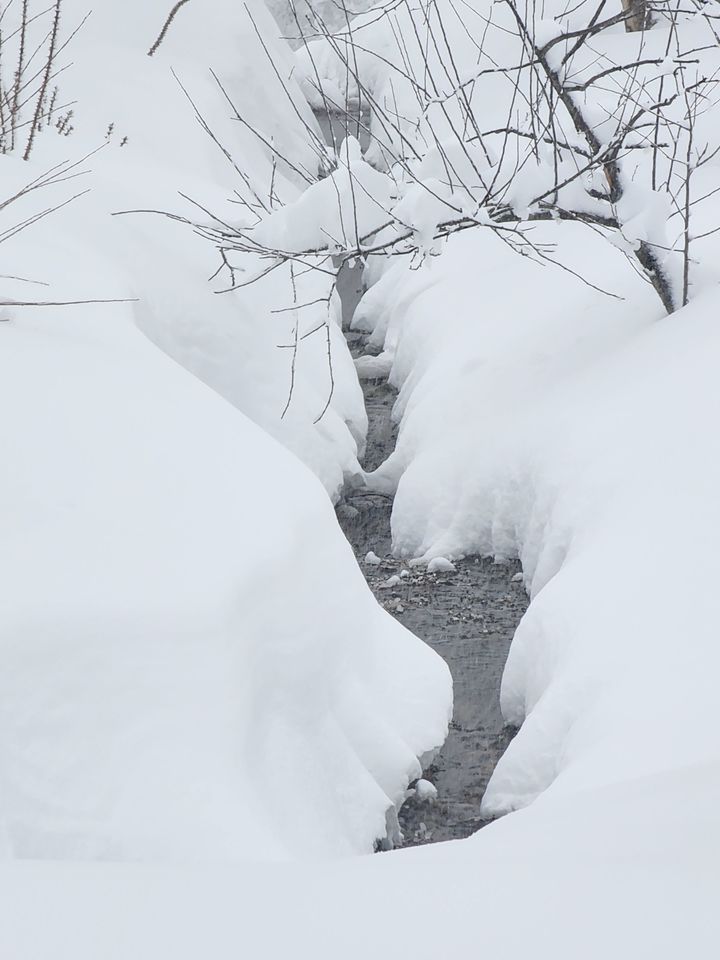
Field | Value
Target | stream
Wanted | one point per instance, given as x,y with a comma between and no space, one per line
468,617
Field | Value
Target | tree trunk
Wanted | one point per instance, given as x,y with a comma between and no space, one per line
639,17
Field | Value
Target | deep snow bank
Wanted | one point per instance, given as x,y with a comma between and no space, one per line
538,415
628,871
156,156
582,444
191,663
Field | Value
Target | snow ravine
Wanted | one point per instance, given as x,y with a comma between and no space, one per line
468,617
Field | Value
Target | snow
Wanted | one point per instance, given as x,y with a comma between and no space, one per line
630,869
571,426
184,632
391,582
298,18
163,564
232,341
373,368
441,565
424,790
546,416
194,673
349,204
578,405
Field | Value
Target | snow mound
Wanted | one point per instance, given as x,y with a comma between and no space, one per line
165,670
565,464
184,631
373,368
424,790
247,344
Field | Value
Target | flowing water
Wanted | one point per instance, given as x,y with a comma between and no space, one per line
468,617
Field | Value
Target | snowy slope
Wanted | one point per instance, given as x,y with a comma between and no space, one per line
553,413
538,417
153,149
573,451
629,872
543,418
191,664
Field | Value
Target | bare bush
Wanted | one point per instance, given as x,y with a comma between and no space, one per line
50,180
587,131
31,63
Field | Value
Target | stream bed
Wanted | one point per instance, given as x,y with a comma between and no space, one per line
468,617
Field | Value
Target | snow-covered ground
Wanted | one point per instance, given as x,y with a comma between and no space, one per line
192,665
584,446
156,156
626,871
193,669
557,415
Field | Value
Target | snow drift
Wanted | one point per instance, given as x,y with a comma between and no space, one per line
545,413
146,117
192,665
572,452
538,417
629,871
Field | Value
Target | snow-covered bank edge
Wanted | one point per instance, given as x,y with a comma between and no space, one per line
574,451
192,664
581,877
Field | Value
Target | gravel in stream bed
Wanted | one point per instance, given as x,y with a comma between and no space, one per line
469,617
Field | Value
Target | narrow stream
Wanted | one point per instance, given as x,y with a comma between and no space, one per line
468,617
